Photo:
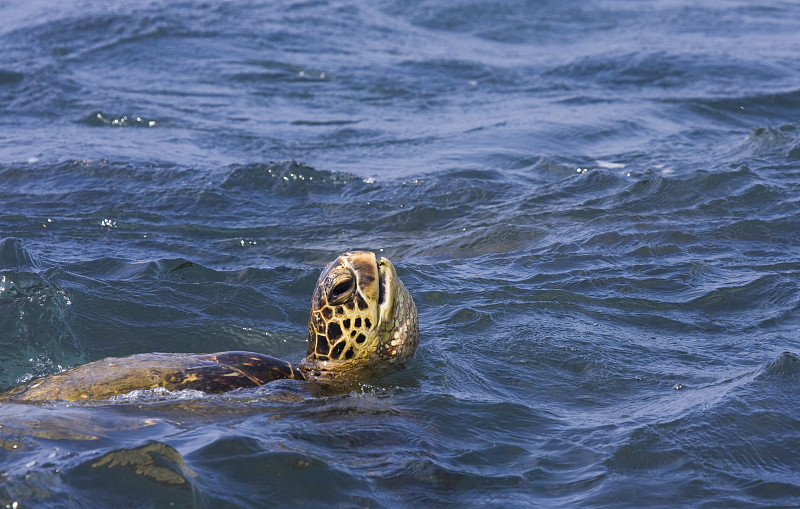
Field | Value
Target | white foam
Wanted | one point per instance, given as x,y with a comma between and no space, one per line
157,394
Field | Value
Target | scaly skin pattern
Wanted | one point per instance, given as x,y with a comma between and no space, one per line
363,323
363,320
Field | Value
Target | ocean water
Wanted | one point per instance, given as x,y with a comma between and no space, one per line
595,204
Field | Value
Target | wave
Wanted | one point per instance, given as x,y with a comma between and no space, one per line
672,73
782,142
35,317
738,433
100,119
287,177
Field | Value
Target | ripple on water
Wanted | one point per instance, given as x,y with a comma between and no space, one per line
594,204
736,434
34,318
288,177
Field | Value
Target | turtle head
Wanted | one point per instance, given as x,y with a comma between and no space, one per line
363,320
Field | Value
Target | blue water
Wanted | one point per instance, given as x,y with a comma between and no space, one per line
595,204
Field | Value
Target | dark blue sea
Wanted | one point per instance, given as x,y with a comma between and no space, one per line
595,204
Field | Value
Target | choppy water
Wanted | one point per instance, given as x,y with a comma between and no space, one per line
596,205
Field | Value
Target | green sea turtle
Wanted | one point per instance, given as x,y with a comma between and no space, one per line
363,322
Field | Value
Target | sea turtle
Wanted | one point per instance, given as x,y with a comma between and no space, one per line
363,322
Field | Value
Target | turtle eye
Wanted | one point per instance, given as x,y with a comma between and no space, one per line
340,291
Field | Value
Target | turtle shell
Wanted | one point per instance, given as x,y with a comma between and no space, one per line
112,376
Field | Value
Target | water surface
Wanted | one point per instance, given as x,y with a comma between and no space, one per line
596,206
